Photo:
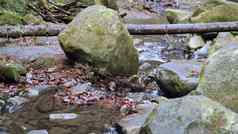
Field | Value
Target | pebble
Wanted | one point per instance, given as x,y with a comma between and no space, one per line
37,90
38,132
81,88
63,116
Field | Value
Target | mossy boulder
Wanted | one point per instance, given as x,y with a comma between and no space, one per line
216,12
191,115
98,36
11,72
178,78
10,18
218,79
177,15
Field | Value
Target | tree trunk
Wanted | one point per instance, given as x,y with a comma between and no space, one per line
134,29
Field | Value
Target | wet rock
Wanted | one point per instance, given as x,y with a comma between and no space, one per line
202,53
218,79
63,116
3,130
150,52
190,115
132,124
31,53
178,78
107,45
196,42
38,132
14,104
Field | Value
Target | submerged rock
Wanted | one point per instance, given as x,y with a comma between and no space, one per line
191,115
218,80
98,36
38,132
178,78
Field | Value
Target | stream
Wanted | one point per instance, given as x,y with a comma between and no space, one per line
34,115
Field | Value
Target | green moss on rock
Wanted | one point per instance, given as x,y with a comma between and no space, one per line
219,78
11,72
219,13
33,19
10,18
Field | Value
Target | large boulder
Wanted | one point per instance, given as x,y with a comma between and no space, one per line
191,115
98,36
219,79
178,78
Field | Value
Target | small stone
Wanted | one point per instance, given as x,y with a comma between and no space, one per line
81,88
196,42
38,132
69,83
63,116
37,90
202,52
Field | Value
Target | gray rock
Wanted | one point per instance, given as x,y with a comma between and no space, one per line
82,87
132,124
196,42
14,104
202,52
178,78
219,80
191,115
38,90
38,132
63,116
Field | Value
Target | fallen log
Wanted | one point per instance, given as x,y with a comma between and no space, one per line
134,29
